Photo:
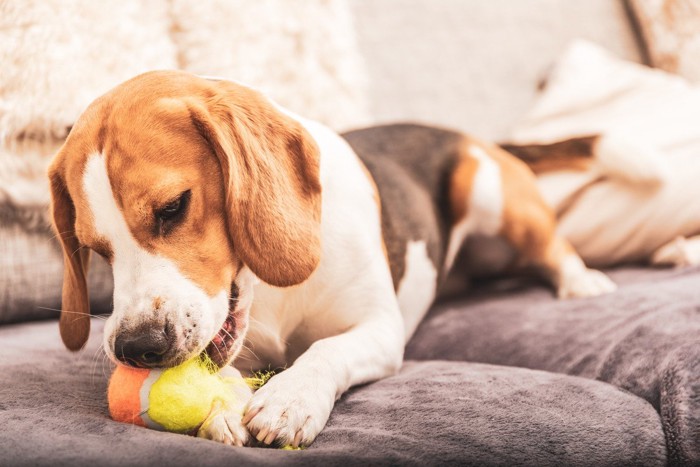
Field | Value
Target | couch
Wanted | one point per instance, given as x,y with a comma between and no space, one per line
500,373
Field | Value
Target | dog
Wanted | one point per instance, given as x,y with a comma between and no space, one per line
228,219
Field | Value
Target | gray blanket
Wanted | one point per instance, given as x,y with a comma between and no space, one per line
645,338
53,407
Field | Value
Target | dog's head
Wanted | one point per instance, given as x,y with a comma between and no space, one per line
191,189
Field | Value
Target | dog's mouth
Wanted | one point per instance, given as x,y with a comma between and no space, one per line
220,349
226,343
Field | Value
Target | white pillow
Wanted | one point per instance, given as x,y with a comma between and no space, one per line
608,219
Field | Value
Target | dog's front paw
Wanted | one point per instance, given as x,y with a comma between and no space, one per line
585,283
224,425
290,409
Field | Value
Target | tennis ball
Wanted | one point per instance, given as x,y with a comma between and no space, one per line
177,399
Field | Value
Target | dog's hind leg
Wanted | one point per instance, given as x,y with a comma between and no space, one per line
499,197
679,252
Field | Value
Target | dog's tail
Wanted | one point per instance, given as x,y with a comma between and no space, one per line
609,155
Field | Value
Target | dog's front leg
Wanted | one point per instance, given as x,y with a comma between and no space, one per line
293,407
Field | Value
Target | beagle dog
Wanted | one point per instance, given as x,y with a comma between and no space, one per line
264,239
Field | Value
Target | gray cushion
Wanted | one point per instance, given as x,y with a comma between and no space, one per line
644,338
52,404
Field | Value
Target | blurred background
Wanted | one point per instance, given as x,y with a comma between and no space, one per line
473,65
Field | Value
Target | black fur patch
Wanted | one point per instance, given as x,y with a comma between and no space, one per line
411,165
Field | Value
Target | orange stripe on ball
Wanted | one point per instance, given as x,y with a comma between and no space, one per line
123,394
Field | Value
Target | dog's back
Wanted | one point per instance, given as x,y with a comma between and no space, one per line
411,166
440,188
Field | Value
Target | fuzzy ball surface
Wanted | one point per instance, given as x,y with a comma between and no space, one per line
177,399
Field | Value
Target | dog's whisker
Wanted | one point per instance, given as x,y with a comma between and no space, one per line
219,351
81,247
267,329
98,359
54,236
227,333
102,317
252,352
243,346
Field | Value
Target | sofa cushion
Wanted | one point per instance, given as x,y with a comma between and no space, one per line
642,338
54,407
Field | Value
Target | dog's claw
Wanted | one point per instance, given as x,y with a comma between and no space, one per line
271,437
262,434
250,415
297,439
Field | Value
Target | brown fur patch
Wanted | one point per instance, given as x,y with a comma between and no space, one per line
571,154
74,323
156,168
103,248
461,182
271,174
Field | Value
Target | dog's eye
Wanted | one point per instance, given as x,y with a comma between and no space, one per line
172,212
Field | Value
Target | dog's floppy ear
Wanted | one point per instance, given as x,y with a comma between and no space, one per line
270,166
75,306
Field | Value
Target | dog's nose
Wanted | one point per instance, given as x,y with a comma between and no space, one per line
142,349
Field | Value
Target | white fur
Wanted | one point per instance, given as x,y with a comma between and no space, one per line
417,287
484,206
681,251
140,276
342,326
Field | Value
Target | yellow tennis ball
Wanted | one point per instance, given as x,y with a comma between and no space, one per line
181,398
177,399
